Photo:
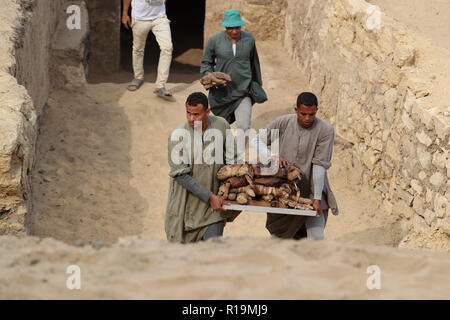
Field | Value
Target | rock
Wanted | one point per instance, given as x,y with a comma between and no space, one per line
34,262
430,217
370,158
79,243
444,225
422,175
441,159
424,139
423,156
419,224
402,209
417,186
97,244
429,195
418,205
12,263
407,121
437,179
442,206
392,150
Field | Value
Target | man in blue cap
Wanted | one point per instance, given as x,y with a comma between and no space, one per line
233,52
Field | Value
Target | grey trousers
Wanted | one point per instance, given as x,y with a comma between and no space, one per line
214,230
243,114
313,227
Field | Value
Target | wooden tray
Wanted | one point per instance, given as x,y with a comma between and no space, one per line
297,212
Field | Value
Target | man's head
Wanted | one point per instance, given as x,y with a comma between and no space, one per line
233,23
197,109
306,109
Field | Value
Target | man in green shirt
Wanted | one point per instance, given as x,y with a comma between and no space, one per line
234,52
194,211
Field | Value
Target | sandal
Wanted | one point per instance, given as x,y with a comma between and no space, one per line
163,93
135,84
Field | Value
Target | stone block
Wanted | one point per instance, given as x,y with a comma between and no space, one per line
403,210
424,138
370,159
422,175
437,179
404,195
442,205
429,195
441,159
417,186
430,217
444,225
392,151
404,55
407,121
418,205
391,76
410,101
423,156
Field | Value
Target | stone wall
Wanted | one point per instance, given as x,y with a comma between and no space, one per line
385,90
69,67
264,19
26,31
386,93
105,21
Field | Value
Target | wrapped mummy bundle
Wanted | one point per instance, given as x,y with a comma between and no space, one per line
249,185
215,79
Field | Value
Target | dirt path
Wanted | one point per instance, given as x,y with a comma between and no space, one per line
102,167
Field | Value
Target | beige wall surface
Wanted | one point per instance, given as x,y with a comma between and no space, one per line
27,29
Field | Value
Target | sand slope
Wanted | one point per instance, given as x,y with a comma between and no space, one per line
229,268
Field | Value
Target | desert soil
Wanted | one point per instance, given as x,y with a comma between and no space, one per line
101,182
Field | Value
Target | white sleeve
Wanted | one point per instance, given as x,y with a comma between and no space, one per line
318,173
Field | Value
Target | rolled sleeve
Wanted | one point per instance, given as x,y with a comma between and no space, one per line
324,149
208,59
175,168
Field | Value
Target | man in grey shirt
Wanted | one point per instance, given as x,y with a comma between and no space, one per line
306,141
194,211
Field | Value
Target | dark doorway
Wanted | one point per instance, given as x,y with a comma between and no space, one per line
187,20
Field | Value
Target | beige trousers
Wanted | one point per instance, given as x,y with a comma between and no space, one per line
161,29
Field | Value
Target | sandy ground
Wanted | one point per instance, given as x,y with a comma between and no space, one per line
101,178
102,164
229,268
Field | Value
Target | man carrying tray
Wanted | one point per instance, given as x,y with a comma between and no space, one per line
306,141
194,211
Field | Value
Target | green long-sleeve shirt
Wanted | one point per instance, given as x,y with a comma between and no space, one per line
244,69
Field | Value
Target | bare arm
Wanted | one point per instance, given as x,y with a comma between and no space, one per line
126,21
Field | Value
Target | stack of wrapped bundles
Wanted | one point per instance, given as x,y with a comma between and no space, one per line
247,184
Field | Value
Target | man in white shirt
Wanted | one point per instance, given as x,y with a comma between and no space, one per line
149,15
